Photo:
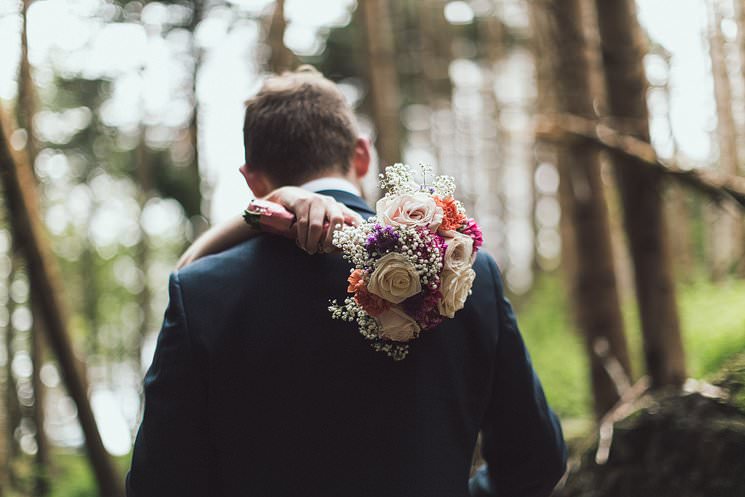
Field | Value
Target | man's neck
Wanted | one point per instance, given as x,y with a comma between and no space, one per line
331,183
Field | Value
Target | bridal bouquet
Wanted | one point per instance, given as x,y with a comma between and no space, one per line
412,261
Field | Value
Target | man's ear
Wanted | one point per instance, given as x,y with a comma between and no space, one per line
257,181
361,158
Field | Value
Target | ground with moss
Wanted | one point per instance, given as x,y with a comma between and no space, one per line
677,445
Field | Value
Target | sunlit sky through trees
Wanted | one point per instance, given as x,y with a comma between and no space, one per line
71,36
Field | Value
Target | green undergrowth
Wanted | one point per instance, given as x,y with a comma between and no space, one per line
712,318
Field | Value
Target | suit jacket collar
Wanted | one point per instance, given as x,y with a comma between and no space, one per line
352,201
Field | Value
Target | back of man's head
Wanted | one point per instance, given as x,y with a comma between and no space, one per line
298,127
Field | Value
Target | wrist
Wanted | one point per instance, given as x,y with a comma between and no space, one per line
263,215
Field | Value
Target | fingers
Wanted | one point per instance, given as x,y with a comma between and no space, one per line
289,196
301,210
316,218
183,261
335,215
190,255
351,217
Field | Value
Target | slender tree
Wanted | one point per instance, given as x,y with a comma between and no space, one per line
42,459
27,97
22,203
194,205
12,408
435,42
641,193
144,175
594,291
281,58
678,207
4,460
26,109
383,78
545,103
727,236
489,171
740,14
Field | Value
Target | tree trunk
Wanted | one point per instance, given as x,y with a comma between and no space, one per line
740,12
678,209
41,458
22,203
281,58
594,289
4,439
194,206
545,103
435,40
12,409
726,236
640,191
26,103
26,109
145,180
383,79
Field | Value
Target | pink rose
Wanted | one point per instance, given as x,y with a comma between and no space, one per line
459,252
397,326
455,289
410,209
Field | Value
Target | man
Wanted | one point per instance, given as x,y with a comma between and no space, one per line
255,391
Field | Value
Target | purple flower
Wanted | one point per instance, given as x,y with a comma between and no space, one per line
382,240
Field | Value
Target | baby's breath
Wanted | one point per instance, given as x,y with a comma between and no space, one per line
444,186
398,179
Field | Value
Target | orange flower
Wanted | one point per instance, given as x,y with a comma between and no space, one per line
453,218
371,303
355,281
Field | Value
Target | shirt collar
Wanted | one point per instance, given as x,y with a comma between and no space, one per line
331,183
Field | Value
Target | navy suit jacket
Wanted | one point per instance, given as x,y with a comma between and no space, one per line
255,391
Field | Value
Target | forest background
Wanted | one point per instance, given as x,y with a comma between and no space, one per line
601,145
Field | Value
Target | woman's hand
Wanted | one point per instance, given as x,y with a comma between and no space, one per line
316,218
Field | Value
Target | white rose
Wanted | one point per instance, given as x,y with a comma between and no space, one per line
398,326
395,278
410,209
455,287
459,252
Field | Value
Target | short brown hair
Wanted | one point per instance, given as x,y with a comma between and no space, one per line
299,125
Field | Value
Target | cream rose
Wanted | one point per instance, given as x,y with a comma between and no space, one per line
398,326
395,278
459,252
411,209
455,287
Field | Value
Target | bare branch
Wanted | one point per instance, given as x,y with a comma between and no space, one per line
718,186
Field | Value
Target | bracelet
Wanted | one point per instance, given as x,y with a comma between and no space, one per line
252,216
271,217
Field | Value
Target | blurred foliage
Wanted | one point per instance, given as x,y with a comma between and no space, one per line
712,318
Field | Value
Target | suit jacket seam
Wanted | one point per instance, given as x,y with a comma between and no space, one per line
182,309
500,318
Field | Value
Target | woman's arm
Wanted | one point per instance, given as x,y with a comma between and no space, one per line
314,214
217,239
